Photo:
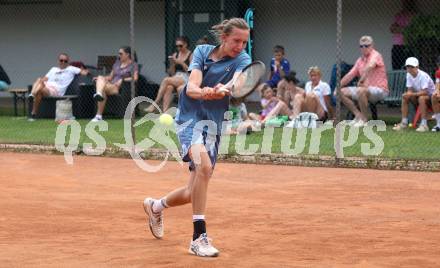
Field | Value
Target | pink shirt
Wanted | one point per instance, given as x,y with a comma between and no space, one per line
377,77
402,20
268,108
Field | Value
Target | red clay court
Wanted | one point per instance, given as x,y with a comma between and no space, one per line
90,215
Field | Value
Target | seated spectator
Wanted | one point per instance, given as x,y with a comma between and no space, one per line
372,85
436,98
290,88
419,91
123,70
178,71
54,83
4,79
240,119
316,98
279,67
271,105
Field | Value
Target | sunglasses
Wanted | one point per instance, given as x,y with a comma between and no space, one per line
179,46
63,61
364,46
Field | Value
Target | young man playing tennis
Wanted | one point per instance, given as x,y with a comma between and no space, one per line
202,99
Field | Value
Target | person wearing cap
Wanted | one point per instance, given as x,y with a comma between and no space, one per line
420,88
436,98
372,85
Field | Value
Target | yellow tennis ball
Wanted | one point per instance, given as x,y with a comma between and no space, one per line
166,119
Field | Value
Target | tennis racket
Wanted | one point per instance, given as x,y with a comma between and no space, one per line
245,82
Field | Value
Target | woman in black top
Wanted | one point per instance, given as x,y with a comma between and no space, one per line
178,71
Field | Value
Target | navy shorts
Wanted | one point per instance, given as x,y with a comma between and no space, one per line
189,137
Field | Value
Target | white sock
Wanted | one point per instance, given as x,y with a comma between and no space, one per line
405,120
98,116
437,118
424,122
159,205
198,217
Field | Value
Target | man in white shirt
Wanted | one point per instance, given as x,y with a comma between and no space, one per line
419,90
54,83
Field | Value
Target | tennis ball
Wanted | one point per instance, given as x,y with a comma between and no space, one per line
166,119
410,125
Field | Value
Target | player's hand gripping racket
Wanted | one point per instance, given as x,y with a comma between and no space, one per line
245,82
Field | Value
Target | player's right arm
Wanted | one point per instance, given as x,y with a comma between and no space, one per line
194,90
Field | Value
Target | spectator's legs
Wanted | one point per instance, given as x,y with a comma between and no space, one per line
167,98
406,99
423,105
298,105
312,104
101,81
348,102
280,108
436,106
175,82
38,95
254,116
38,91
363,95
37,86
105,89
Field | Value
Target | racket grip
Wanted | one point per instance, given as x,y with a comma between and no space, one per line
224,90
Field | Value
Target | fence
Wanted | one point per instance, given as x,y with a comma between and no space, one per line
313,33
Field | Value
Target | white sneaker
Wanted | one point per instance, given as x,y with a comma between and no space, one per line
360,123
155,220
422,128
400,127
97,119
202,247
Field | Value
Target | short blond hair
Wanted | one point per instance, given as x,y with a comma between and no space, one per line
314,69
366,39
226,26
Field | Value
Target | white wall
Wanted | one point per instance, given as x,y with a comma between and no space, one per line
33,35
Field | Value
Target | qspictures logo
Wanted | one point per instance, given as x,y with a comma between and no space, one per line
68,136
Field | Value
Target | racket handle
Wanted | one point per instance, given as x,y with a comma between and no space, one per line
223,90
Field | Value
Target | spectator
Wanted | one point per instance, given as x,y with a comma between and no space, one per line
54,83
402,19
290,89
436,98
240,119
271,105
419,91
279,67
316,98
178,71
4,79
372,85
123,70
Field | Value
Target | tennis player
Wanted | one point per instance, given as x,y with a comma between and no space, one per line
203,104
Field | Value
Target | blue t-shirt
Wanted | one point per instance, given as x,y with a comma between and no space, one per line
214,72
276,77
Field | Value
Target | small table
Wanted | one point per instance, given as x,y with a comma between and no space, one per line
19,94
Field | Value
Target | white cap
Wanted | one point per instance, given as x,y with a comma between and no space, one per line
411,61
